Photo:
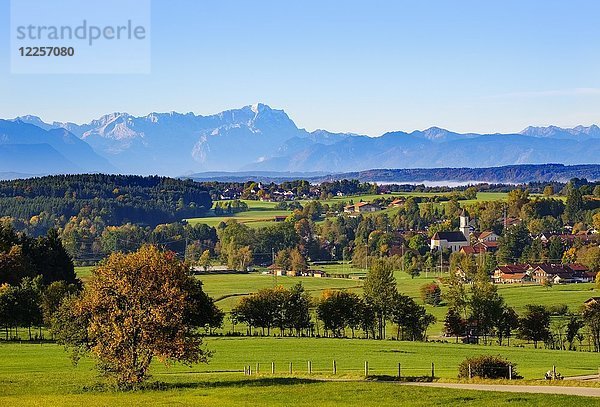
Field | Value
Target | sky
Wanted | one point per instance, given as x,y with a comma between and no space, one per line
366,67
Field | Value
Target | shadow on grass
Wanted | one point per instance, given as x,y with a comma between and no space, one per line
407,379
163,386
395,351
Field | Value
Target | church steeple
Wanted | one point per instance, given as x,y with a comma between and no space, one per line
464,224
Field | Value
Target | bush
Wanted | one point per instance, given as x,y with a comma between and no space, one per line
431,294
487,367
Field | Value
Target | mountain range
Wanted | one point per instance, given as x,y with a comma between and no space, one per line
258,138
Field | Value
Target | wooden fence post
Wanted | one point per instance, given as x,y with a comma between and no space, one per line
470,372
366,368
553,372
257,368
334,367
291,368
432,370
399,371
309,367
272,367
509,372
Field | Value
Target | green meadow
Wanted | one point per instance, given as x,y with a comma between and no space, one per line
42,375
228,288
261,214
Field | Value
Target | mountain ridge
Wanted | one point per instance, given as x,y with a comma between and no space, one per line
260,138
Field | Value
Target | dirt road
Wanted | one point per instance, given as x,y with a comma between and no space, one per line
572,391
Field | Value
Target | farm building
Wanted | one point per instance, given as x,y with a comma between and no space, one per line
362,207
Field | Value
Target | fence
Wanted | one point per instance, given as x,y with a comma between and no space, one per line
427,372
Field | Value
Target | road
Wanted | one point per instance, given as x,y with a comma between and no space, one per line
571,391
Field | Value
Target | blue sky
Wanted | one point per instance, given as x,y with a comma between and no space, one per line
361,66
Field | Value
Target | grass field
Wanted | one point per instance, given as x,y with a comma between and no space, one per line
43,375
233,286
261,214
236,285
84,272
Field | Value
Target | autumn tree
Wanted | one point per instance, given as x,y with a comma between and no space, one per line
298,262
431,294
135,307
548,190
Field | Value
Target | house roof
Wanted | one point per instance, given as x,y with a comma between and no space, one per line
550,268
449,236
576,267
469,250
485,234
513,268
564,271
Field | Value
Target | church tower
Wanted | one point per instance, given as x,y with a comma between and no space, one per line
464,224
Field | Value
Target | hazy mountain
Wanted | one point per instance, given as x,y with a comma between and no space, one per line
507,174
259,138
579,132
30,149
174,143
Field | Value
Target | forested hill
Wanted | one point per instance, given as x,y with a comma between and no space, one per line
115,199
507,174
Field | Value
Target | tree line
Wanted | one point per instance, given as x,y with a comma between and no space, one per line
288,310
477,311
39,204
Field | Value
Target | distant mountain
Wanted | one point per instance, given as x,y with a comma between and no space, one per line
402,150
174,143
26,148
508,174
579,132
259,138
511,174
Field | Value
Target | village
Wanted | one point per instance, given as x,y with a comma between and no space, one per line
468,241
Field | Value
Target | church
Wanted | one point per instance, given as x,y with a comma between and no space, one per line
453,240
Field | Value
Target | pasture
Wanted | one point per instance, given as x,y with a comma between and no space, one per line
228,288
43,375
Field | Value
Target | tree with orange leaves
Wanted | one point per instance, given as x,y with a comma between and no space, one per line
136,307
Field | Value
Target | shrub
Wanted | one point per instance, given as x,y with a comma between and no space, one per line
487,367
431,294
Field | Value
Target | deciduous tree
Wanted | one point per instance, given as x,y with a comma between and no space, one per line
135,307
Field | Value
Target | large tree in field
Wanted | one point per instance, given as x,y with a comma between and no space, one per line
136,307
